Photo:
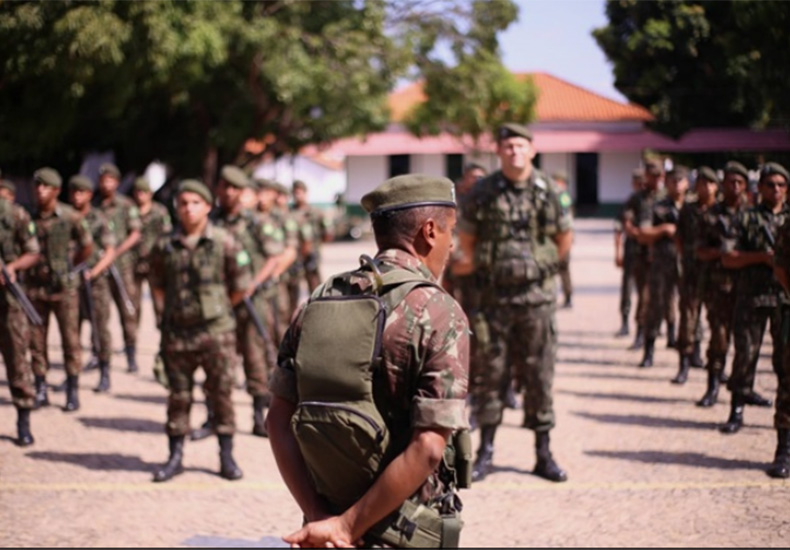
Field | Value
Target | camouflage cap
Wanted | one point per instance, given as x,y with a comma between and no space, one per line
5,184
774,168
678,172
654,167
264,183
282,189
561,175
109,168
47,176
410,191
197,187
735,167
142,184
707,173
234,176
511,129
299,184
80,182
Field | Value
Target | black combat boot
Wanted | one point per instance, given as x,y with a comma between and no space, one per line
24,437
104,377
755,399
511,401
735,421
130,359
206,429
712,393
227,466
650,346
72,393
568,302
93,364
485,454
545,466
41,399
683,369
696,356
672,341
174,465
623,328
259,404
639,340
781,465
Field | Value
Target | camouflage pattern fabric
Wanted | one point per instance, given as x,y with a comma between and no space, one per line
692,276
128,318
782,413
628,281
155,223
67,314
664,274
314,227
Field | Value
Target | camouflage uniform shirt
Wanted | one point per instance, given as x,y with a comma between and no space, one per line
154,223
124,217
17,237
101,233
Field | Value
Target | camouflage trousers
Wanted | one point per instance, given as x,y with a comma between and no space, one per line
627,286
128,318
641,270
663,283
137,298
782,414
748,331
521,343
565,276
100,292
14,340
720,306
258,355
690,309
67,314
215,354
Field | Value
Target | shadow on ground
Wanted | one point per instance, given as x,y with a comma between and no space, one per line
698,460
124,424
658,421
96,461
625,397
155,399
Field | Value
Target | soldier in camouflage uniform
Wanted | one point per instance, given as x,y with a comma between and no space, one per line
125,223
566,202
80,195
513,232
638,216
155,222
65,242
780,468
759,295
693,273
717,235
19,250
290,290
7,191
199,273
625,255
427,332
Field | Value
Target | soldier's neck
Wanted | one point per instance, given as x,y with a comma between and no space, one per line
515,175
196,230
144,207
48,207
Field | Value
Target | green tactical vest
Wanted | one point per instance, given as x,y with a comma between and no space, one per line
55,237
196,295
6,231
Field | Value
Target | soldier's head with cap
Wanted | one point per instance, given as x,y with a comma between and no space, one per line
48,183
733,185
415,213
773,183
677,182
142,193
193,205
299,190
231,186
109,179
267,193
473,171
283,195
515,151
637,179
706,185
654,173
560,177
80,192
7,190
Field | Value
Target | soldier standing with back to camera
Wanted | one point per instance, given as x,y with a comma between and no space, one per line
759,295
65,241
514,233
199,273
125,223
625,253
19,250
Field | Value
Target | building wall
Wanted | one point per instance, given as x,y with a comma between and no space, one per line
323,183
364,174
553,162
614,175
428,164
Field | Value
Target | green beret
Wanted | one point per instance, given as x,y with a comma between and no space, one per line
774,168
282,189
47,176
654,167
410,191
80,182
679,172
264,183
299,184
707,173
234,176
512,129
734,167
142,184
198,187
5,184
109,168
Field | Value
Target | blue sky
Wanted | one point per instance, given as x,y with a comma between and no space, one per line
553,36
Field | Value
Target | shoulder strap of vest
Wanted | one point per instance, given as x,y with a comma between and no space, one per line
398,283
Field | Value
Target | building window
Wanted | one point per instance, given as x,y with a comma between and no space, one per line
454,166
399,165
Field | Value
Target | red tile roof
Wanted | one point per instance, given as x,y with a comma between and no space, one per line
558,101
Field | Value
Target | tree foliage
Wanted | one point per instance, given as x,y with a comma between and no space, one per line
699,63
189,82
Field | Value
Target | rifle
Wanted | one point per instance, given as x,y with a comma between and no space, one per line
116,277
87,304
256,320
21,298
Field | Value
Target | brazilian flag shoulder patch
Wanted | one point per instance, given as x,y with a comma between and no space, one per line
242,258
565,200
31,227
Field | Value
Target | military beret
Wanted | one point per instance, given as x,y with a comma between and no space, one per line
410,191
142,184
774,168
47,176
734,167
235,176
109,168
560,175
282,189
264,183
299,184
707,173
511,129
5,184
638,173
197,187
679,172
654,166
80,182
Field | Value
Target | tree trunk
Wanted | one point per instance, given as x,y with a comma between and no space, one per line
210,165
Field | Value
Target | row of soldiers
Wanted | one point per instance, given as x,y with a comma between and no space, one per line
74,259
723,249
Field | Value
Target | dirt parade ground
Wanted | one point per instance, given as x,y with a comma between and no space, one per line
647,468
